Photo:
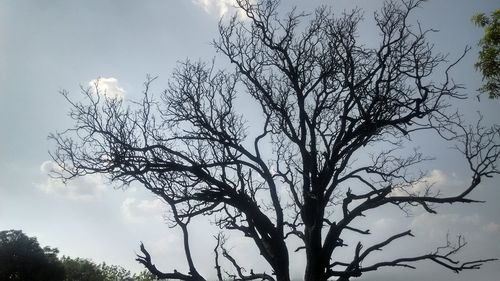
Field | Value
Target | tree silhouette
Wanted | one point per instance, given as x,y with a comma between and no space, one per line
22,259
324,100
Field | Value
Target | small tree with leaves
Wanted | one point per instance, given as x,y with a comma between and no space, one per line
324,100
489,55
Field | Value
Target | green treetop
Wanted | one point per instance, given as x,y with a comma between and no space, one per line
489,59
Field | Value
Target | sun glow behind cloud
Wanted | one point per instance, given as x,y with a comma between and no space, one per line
219,7
107,87
436,182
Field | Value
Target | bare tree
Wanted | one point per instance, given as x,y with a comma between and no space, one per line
325,100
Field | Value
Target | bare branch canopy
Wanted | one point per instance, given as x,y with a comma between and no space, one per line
321,100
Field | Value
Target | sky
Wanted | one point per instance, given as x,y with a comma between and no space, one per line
50,46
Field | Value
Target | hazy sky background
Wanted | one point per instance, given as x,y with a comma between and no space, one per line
50,45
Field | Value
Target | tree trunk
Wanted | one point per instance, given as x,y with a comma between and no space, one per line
315,269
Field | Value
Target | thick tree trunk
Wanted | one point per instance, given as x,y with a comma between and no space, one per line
315,270
284,276
313,274
282,270
315,267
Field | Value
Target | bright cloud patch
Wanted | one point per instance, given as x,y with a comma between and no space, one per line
107,87
83,188
492,227
134,210
217,7
437,180
437,226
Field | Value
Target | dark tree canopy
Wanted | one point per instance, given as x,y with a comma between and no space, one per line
324,101
22,259
489,55
78,269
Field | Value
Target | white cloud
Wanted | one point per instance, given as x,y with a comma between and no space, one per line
436,226
445,219
108,87
135,211
438,181
87,187
218,7
492,227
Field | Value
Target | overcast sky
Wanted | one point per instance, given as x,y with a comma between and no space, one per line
50,45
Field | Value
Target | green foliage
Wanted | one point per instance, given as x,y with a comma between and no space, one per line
22,258
115,273
489,55
79,269
144,276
